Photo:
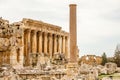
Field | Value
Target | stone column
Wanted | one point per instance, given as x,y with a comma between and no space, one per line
22,49
66,46
40,42
59,43
63,44
21,55
50,45
73,34
45,42
55,43
27,47
34,42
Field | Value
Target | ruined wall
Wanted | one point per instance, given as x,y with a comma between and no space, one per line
91,59
10,42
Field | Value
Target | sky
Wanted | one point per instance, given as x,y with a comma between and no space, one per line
98,21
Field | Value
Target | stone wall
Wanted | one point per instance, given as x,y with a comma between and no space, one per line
91,60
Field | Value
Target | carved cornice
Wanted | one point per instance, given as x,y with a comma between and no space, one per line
44,27
40,24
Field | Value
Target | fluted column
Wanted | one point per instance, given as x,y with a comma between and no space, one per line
34,42
40,42
59,44
27,47
50,45
45,42
66,46
63,44
55,43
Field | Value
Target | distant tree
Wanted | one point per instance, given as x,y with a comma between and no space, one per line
104,59
110,59
117,55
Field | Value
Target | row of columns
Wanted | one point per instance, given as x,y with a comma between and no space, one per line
43,42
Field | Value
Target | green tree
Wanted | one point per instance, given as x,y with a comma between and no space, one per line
104,59
117,56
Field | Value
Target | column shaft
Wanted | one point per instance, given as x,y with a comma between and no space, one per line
66,47
45,43
50,45
27,47
59,44
34,42
55,43
40,42
63,46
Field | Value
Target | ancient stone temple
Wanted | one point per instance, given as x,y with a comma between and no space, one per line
43,38
32,38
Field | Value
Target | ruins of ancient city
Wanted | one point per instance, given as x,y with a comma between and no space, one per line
36,50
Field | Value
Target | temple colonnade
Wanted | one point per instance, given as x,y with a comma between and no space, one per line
38,39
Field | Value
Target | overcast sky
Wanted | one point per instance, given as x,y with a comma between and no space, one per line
98,21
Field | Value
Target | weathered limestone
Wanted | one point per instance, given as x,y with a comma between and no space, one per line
44,38
29,38
73,33
10,43
91,60
59,44
55,43
45,43
66,47
34,41
50,45
27,46
40,42
63,44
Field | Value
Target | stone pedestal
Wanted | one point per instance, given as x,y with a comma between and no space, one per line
72,69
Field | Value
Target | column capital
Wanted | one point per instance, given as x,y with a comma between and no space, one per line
63,37
59,35
27,30
55,35
33,31
40,32
50,34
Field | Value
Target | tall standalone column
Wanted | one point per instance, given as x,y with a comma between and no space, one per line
40,42
45,42
73,33
27,47
63,44
50,45
34,42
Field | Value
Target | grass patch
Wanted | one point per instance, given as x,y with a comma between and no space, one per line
115,75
